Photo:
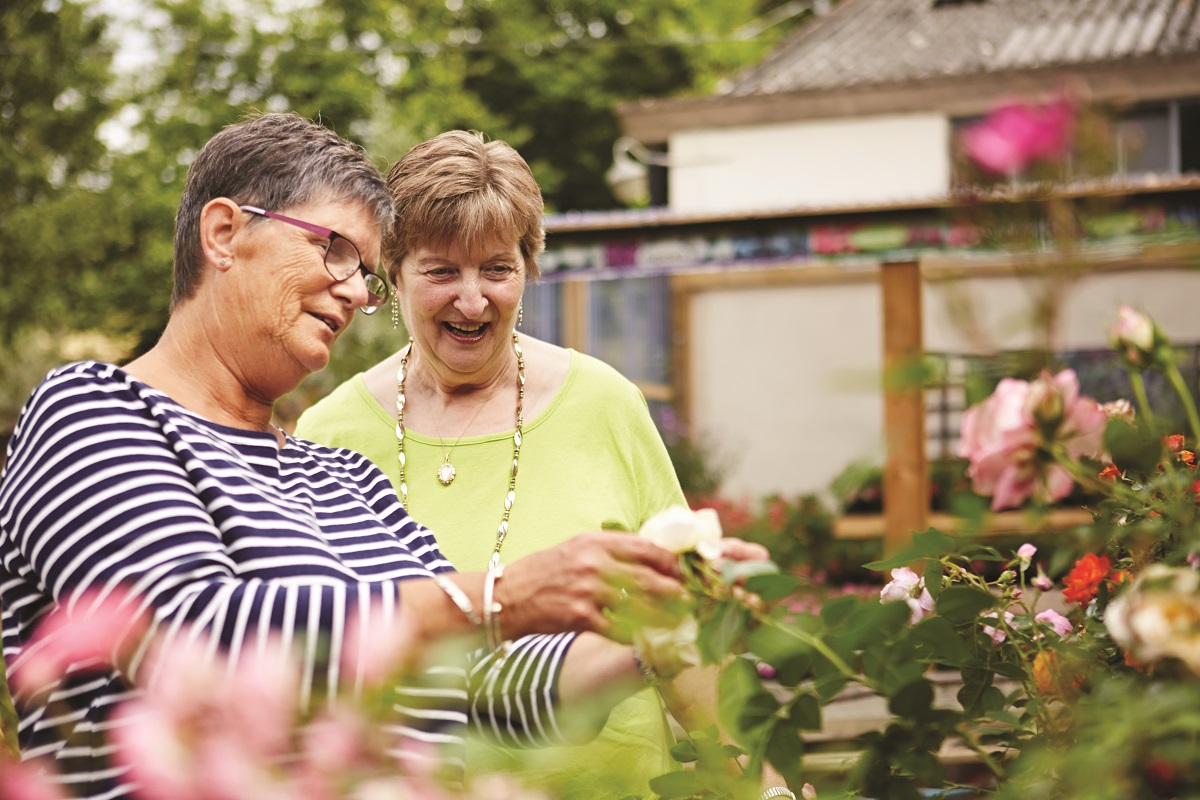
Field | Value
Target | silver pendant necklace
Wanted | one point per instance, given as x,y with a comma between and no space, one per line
446,471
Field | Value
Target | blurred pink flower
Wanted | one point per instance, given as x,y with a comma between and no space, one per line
906,585
92,629
150,744
1026,553
20,780
1006,438
1017,134
1060,624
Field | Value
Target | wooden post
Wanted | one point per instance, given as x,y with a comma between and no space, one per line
906,473
681,351
575,321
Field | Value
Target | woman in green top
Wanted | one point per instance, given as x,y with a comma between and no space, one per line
501,444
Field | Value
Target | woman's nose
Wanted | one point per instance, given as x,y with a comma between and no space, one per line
470,302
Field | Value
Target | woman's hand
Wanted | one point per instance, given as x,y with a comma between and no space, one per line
569,587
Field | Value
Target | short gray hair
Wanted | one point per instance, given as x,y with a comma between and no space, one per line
274,161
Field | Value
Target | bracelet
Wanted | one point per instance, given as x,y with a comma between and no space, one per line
459,597
777,791
648,673
492,607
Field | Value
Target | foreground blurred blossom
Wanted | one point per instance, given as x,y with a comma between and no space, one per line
669,650
1159,616
379,646
21,781
906,585
1008,438
808,792
681,530
1016,135
92,630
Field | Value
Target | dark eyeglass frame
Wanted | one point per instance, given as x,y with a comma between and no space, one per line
376,299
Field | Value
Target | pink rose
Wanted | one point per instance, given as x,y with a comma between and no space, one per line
1005,438
1134,337
1016,135
1057,622
906,585
92,629
1026,553
999,633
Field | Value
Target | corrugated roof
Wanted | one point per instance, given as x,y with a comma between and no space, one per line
879,42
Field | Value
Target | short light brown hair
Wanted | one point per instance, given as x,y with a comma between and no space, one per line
458,188
274,161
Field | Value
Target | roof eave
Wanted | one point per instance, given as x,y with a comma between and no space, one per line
1144,79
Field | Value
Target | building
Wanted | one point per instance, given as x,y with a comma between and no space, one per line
752,298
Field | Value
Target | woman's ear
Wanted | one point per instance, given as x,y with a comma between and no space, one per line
220,219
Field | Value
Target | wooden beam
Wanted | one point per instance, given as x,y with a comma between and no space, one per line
906,471
575,311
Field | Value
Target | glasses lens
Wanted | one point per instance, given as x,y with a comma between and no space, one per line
376,292
342,259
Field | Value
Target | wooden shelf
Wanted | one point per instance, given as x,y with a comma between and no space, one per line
871,526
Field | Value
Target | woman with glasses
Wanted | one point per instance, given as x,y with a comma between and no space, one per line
166,475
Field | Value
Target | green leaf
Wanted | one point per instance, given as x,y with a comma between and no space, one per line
939,641
772,587
677,784
742,702
1132,448
838,609
805,712
684,752
912,701
933,578
717,635
930,543
963,603
785,749
733,571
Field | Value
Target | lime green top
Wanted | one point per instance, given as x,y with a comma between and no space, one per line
592,456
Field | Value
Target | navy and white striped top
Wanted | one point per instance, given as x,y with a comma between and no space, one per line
108,481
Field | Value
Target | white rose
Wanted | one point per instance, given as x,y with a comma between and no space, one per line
669,650
682,530
1158,616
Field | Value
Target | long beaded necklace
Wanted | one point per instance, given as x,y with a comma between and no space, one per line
510,498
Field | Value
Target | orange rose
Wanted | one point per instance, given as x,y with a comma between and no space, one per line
1187,457
1174,442
1045,672
1083,581
1109,473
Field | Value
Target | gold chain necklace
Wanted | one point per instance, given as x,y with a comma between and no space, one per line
510,498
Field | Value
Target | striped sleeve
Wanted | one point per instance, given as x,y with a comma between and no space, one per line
94,496
514,698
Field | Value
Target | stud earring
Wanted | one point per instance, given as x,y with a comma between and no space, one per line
395,313
520,313
222,262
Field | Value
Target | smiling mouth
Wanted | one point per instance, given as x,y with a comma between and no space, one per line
330,322
466,332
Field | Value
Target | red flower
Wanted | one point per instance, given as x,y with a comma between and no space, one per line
1119,577
1196,489
1187,457
1109,473
1084,579
1174,442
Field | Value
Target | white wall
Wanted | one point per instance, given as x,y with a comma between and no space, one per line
785,381
823,162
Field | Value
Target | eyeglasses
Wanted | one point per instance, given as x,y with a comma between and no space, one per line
342,259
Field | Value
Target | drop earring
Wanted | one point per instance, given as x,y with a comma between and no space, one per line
520,313
395,313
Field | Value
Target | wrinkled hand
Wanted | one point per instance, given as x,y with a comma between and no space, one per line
741,550
570,586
